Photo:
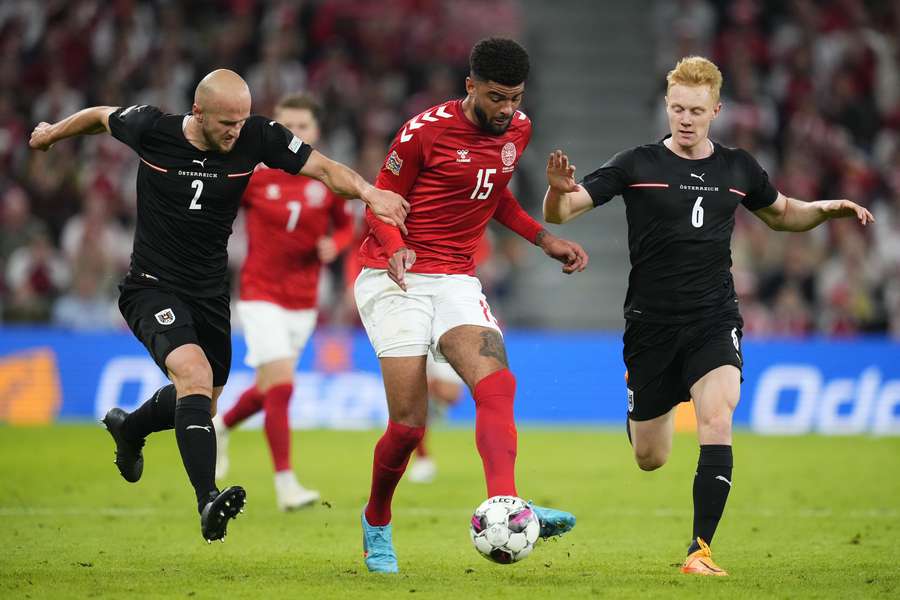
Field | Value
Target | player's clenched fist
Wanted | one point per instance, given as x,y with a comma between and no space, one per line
40,137
571,254
388,207
403,259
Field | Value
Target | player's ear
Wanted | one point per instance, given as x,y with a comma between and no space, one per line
717,109
470,86
197,112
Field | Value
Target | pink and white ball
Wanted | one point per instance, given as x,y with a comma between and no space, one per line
504,529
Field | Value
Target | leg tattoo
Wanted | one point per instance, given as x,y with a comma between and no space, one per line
492,345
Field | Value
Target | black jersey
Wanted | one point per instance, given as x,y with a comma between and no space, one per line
187,198
680,219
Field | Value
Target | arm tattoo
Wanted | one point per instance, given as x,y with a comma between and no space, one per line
492,345
540,237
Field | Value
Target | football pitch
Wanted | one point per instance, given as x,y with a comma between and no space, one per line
807,517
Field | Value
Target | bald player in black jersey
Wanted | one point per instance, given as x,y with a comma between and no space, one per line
193,171
683,329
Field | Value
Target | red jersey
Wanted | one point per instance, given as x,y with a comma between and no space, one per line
454,176
286,216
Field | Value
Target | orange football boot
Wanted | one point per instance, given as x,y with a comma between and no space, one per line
700,562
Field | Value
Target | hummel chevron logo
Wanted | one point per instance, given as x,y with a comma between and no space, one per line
208,429
200,162
700,176
427,117
721,477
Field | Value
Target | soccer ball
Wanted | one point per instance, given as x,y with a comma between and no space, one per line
504,529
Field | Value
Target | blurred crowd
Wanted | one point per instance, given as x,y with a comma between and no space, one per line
812,90
67,216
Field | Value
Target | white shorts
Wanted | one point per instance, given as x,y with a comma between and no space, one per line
272,332
441,371
411,323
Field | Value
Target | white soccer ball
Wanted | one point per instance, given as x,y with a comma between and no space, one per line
504,529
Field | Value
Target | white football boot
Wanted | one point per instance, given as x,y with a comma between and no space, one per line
290,495
423,470
221,447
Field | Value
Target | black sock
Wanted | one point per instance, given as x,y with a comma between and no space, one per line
711,486
156,414
197,444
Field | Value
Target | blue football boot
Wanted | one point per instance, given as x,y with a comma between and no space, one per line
378,547
553,522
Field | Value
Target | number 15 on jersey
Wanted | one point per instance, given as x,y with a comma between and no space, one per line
484,186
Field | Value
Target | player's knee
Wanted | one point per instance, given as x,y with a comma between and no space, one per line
410,415
193,377
650,459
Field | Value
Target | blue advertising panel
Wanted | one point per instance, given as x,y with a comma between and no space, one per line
790,387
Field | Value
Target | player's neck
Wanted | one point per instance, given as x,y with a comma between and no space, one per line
698,151
192,133
468,108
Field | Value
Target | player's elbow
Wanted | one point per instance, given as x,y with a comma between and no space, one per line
555,218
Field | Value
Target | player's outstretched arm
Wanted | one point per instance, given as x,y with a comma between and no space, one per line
790,214
344,181
564,199
88,121
512,215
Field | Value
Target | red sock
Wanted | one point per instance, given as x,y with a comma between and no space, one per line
391,456
421,449
278,430
495,431
250,403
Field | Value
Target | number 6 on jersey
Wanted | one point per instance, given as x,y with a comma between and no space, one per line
697,213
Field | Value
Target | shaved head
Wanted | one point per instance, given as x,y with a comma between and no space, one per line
221,105
219,87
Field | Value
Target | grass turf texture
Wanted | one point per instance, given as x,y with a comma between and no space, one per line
808,517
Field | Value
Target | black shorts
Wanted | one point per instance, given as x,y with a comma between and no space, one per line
664,360
164,319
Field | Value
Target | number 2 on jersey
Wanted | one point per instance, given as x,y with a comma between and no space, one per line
197,184
294,207
697,213
484,183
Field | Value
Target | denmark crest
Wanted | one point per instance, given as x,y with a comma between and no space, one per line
508,154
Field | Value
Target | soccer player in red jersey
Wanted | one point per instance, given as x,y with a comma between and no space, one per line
294,225
417,293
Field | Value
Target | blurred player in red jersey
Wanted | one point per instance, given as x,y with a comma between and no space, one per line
417,293
294,226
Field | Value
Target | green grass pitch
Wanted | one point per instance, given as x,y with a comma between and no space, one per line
808,517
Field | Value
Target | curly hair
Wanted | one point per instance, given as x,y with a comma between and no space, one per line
500,60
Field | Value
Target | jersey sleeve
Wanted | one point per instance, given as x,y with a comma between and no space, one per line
403,163
128,124
281,149
760,191
511,214
611,179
